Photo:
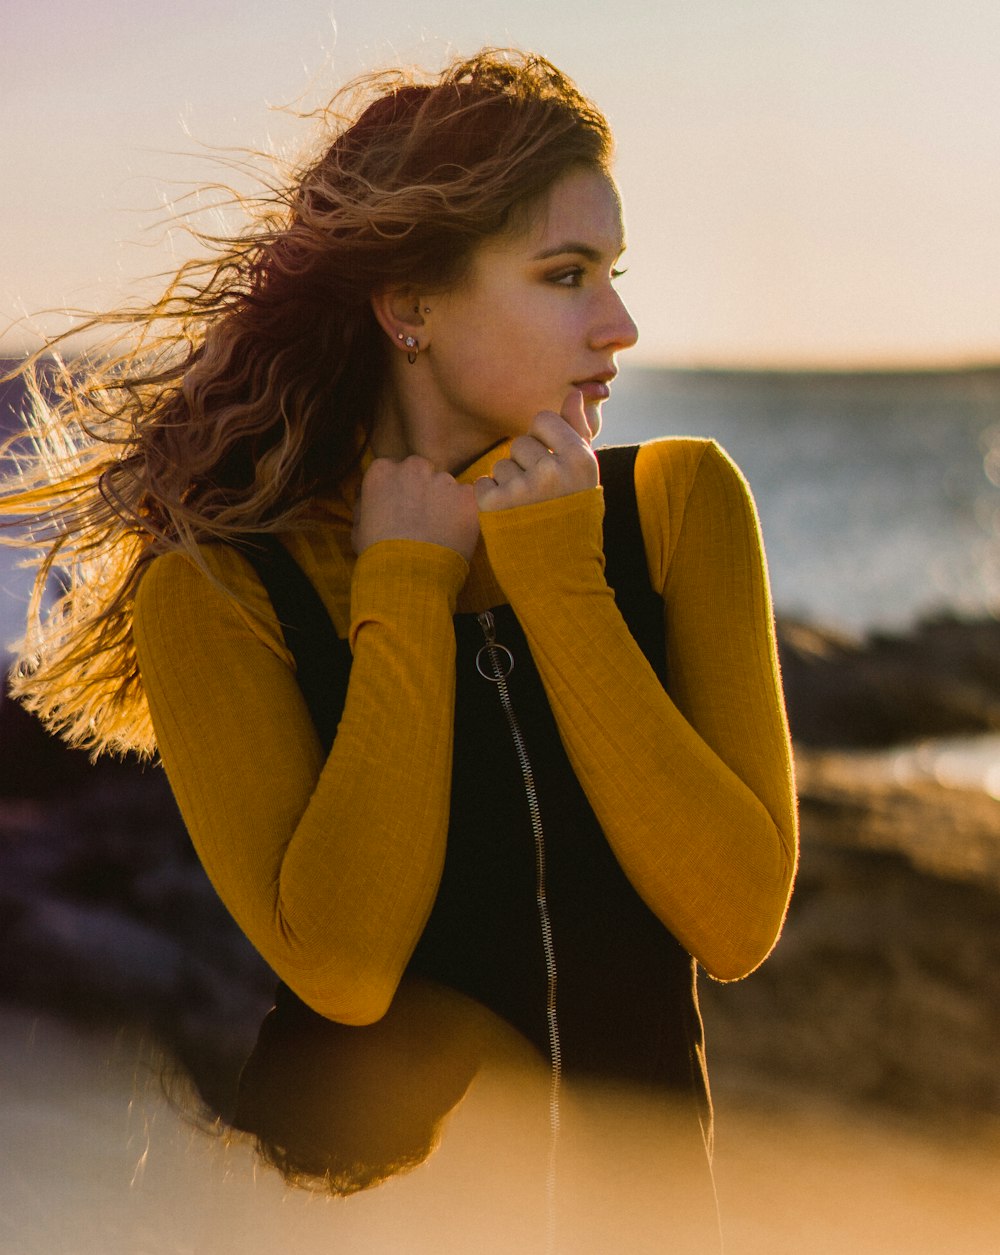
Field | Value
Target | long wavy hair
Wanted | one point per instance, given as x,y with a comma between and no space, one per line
251,385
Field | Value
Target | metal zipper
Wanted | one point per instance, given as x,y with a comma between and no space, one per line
495,662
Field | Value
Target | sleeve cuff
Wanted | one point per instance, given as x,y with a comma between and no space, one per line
555,545
403,580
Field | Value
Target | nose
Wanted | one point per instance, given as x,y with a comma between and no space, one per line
615,329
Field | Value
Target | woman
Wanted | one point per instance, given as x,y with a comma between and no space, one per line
470,762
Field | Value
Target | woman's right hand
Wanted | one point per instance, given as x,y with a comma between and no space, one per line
410,500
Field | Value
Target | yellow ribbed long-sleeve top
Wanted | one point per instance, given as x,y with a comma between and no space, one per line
331,865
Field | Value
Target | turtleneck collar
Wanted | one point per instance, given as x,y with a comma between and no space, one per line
342,505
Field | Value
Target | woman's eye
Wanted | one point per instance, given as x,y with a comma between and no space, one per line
575,275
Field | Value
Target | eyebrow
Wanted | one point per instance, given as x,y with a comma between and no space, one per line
575,246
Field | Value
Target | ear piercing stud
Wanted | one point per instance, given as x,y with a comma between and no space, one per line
412,344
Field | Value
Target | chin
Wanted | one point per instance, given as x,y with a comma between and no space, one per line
592,413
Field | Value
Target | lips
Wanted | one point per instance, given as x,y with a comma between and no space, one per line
597,387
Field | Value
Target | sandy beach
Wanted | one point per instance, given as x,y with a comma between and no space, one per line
97,1162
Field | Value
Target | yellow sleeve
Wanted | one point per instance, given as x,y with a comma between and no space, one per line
693,787
330,867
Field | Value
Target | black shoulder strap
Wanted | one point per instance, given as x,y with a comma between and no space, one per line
625,565
312,640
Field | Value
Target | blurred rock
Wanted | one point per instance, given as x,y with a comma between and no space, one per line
34,764
885,987
106,915
940,680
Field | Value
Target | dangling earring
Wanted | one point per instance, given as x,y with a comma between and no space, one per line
412,344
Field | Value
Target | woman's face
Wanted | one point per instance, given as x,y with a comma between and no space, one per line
536,316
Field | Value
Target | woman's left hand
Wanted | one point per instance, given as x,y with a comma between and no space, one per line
553,460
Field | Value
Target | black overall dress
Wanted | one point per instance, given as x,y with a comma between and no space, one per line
627,1005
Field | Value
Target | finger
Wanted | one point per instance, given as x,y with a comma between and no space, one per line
558,435
486,490
526,451
505,470
574,414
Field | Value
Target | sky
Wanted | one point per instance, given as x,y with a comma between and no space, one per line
807,183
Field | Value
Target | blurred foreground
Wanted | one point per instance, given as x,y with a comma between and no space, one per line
98,1163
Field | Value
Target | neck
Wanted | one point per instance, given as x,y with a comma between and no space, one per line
405,427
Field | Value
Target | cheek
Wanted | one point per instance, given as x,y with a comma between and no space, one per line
530,341
508,353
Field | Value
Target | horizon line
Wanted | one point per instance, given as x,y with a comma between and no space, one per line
736,365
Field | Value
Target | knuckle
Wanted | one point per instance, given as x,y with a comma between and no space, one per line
545,426
524,446
548,471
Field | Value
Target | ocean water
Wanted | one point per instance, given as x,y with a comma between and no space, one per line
879,494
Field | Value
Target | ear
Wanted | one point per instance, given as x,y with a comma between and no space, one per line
400,314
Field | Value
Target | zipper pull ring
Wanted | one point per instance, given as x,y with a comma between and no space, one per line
498,658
